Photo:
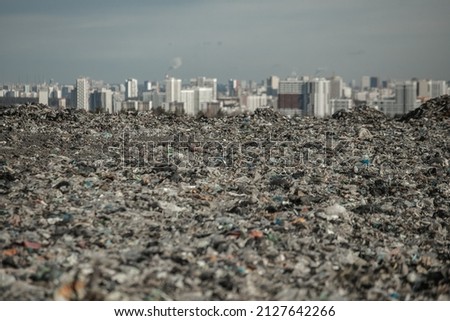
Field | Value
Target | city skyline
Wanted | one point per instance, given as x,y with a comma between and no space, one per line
249,39
308,96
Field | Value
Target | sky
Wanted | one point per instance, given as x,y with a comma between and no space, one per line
242,39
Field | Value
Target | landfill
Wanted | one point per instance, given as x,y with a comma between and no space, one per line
258,206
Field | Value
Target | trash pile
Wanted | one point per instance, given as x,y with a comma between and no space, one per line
138,206
39,112
360,114
435,109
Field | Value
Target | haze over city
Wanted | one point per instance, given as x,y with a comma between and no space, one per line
251,39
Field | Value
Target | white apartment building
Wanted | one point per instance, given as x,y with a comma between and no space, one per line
365,82
347,92
336,87
423,88
43,96
339,104
360,95
188,100
437,88
82,94
273,85
117,99
317,95
203,95
405,97
387,106
131,89
206,82
173,90
431,88
256,101
104,100
290,86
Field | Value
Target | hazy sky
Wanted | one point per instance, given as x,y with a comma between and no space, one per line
243,39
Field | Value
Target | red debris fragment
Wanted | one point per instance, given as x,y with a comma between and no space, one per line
31,245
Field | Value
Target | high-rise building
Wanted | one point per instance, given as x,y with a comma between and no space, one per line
405,97
437,88
340,104
131,89
252,86
290,95
256,101
387,106
173,90
43,96
66,91
336,87
316,95
374,83
82,98
147,96
202,96
54,93
188,100
156,98
102,100
147,85
291,86
365,82
243,85
423,88
206,82
211,83
347,92
117,99
233,87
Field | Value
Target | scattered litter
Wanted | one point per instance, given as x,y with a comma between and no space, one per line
139,206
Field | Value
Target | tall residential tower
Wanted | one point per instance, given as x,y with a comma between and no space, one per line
173,90
131,89
82,94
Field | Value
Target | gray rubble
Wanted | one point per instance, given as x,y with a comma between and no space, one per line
138,206
438,108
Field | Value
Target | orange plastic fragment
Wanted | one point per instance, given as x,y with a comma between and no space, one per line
70,291
10,252
256,234
299,221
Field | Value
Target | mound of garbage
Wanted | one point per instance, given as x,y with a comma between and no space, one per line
360,114
435,109
139,206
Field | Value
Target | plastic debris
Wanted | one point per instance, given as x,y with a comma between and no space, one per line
140,206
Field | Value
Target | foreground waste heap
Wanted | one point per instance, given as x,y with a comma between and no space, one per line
249,207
